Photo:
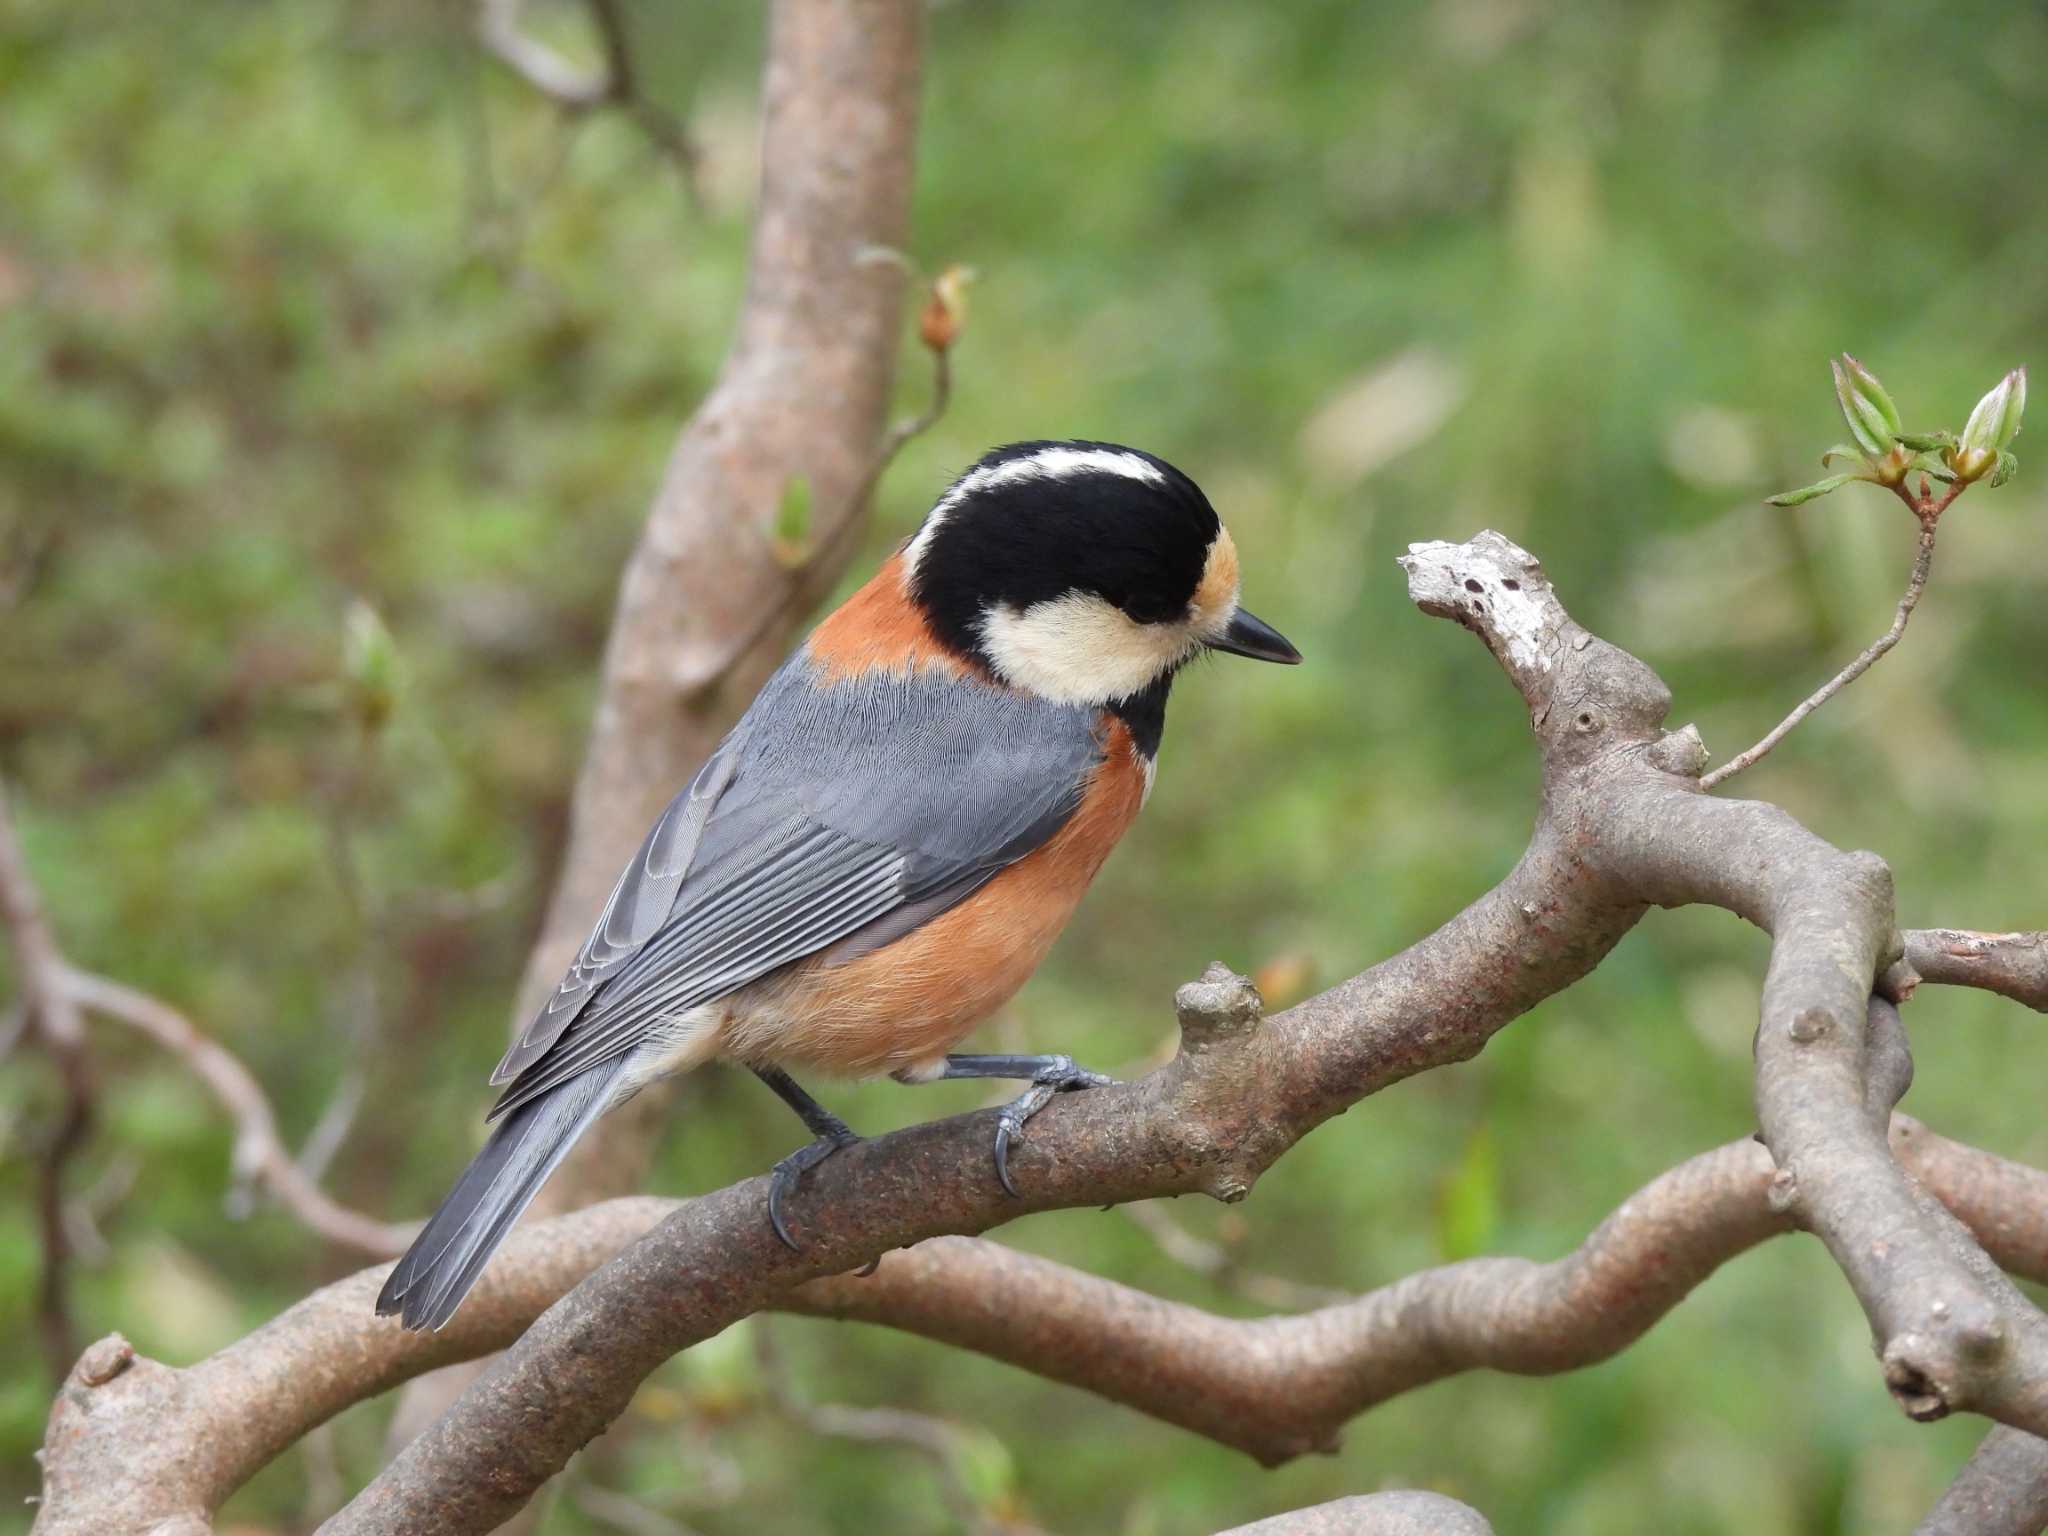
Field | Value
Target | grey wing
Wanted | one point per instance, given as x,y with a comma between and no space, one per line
851,813
638,905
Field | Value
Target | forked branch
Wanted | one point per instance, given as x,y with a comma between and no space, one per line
1623,825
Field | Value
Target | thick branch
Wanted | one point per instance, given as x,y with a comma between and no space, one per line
1623,823
1830,1062
132,1443
2001,1491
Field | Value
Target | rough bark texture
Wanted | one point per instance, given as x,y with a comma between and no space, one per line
2002,1491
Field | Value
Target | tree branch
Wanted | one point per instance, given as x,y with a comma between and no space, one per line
1928,511
1618,828
1622,824
1375,1514
576,90
133,1443
2001,1491
2013,965
260,1154
50,1017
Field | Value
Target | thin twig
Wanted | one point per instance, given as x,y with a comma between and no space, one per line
577,91
1916,583
360,996
52,1018
57,996
625,1514
84,1212
260,1154
1221,1263
555,77
934,1438
823,558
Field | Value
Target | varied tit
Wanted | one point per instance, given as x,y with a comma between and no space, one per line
893,835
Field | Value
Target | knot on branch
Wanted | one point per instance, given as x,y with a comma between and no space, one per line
1928,1374
103,1360
1682,752
1220,1007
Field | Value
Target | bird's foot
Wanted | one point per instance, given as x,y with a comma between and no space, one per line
783,1177
1058,1074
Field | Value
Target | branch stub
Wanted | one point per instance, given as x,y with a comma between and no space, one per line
103,1360
1221,1004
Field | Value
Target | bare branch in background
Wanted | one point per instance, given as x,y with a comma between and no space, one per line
818,565
625,1514
59,996
260,1153
577,91
1222,1263
939,1441
50,1016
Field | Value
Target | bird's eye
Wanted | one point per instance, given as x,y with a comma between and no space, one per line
1152,608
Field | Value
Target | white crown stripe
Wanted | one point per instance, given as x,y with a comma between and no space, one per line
1058,462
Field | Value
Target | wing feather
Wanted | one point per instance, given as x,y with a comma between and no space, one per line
635,910
845,813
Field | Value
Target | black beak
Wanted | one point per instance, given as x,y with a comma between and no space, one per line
1248,636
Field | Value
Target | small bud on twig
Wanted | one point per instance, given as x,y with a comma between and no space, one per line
1873,419
945,310
1991,427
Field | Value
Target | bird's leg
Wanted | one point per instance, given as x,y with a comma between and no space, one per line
831,1131
1047,1075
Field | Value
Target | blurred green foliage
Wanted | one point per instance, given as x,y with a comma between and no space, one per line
305,305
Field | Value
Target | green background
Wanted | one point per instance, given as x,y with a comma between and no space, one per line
308,303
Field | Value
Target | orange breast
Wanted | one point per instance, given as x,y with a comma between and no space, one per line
911,1001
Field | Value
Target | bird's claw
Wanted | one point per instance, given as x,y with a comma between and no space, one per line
783,1177
1059,1075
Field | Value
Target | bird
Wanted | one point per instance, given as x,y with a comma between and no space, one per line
885,846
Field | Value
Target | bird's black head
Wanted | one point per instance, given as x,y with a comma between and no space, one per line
1083,572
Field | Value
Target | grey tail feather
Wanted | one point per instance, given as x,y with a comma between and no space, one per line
429,1283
